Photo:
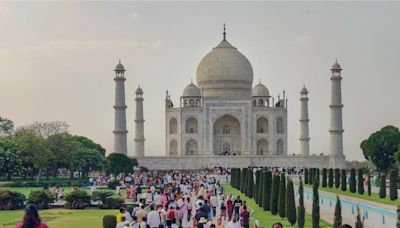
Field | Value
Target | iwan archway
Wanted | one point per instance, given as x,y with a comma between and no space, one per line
227,136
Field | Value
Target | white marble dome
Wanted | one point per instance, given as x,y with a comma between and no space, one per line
191,91
225,72
260,91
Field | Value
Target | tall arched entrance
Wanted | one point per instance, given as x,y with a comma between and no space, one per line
227,138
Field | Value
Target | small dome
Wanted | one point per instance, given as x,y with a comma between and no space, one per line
119,67
304,90
336,66
260,91
139,90
191,91
225,72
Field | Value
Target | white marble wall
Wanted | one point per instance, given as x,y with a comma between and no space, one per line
201,162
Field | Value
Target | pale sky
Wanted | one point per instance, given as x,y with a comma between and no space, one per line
57,61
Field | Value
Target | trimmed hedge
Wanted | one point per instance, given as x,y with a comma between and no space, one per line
109,221
43,183
360,181
337,178
352,183
382,189
41,198
11,200
393,184
77,199
275,194
330,178
324,178
344,182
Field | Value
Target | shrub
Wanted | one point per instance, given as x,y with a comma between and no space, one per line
290,203
337,221
257,186
324,177
315,205
301,209
112,203
275,194
369,184
250,183
43,183
360,181
112,184
330,178
352,183
344,183
305,176
102,195
11,200
77,199
359,223
260,191
282,197
109,221
393,184
267,183
337,178
382,189
41,198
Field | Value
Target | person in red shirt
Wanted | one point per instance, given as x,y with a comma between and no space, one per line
31,218
229,207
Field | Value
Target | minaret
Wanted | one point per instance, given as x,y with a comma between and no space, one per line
304,130
139,124
336,130
120,132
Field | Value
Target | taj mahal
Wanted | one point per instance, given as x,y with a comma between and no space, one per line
225,120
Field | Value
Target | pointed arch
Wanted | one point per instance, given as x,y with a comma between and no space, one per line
192,147
173,148
191,125
280,125
173,126
262,125
262,147
279,147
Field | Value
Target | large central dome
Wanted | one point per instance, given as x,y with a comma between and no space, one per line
225,72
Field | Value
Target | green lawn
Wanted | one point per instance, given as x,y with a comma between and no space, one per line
265,218
373,197
60,218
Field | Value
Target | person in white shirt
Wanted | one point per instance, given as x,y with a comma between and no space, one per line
128,216
123,224
153,218
234,223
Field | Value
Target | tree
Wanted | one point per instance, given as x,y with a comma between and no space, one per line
62,147
268,185
360,182
315,205
359,223
250,183
330,178
242,177
369,183
275,194
381,146
393,184
352,181
46,129
290,203
6,127
337,178
34,151
344,182
86,160
324,176
10,163
301,209
282,197
257,186
88,143
120,163
246,177
311,176
382,189
305,176
337,221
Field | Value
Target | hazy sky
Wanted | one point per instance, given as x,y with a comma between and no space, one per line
57,61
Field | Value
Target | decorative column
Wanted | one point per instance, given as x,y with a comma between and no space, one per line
120,132
304,130
337,159
139,124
